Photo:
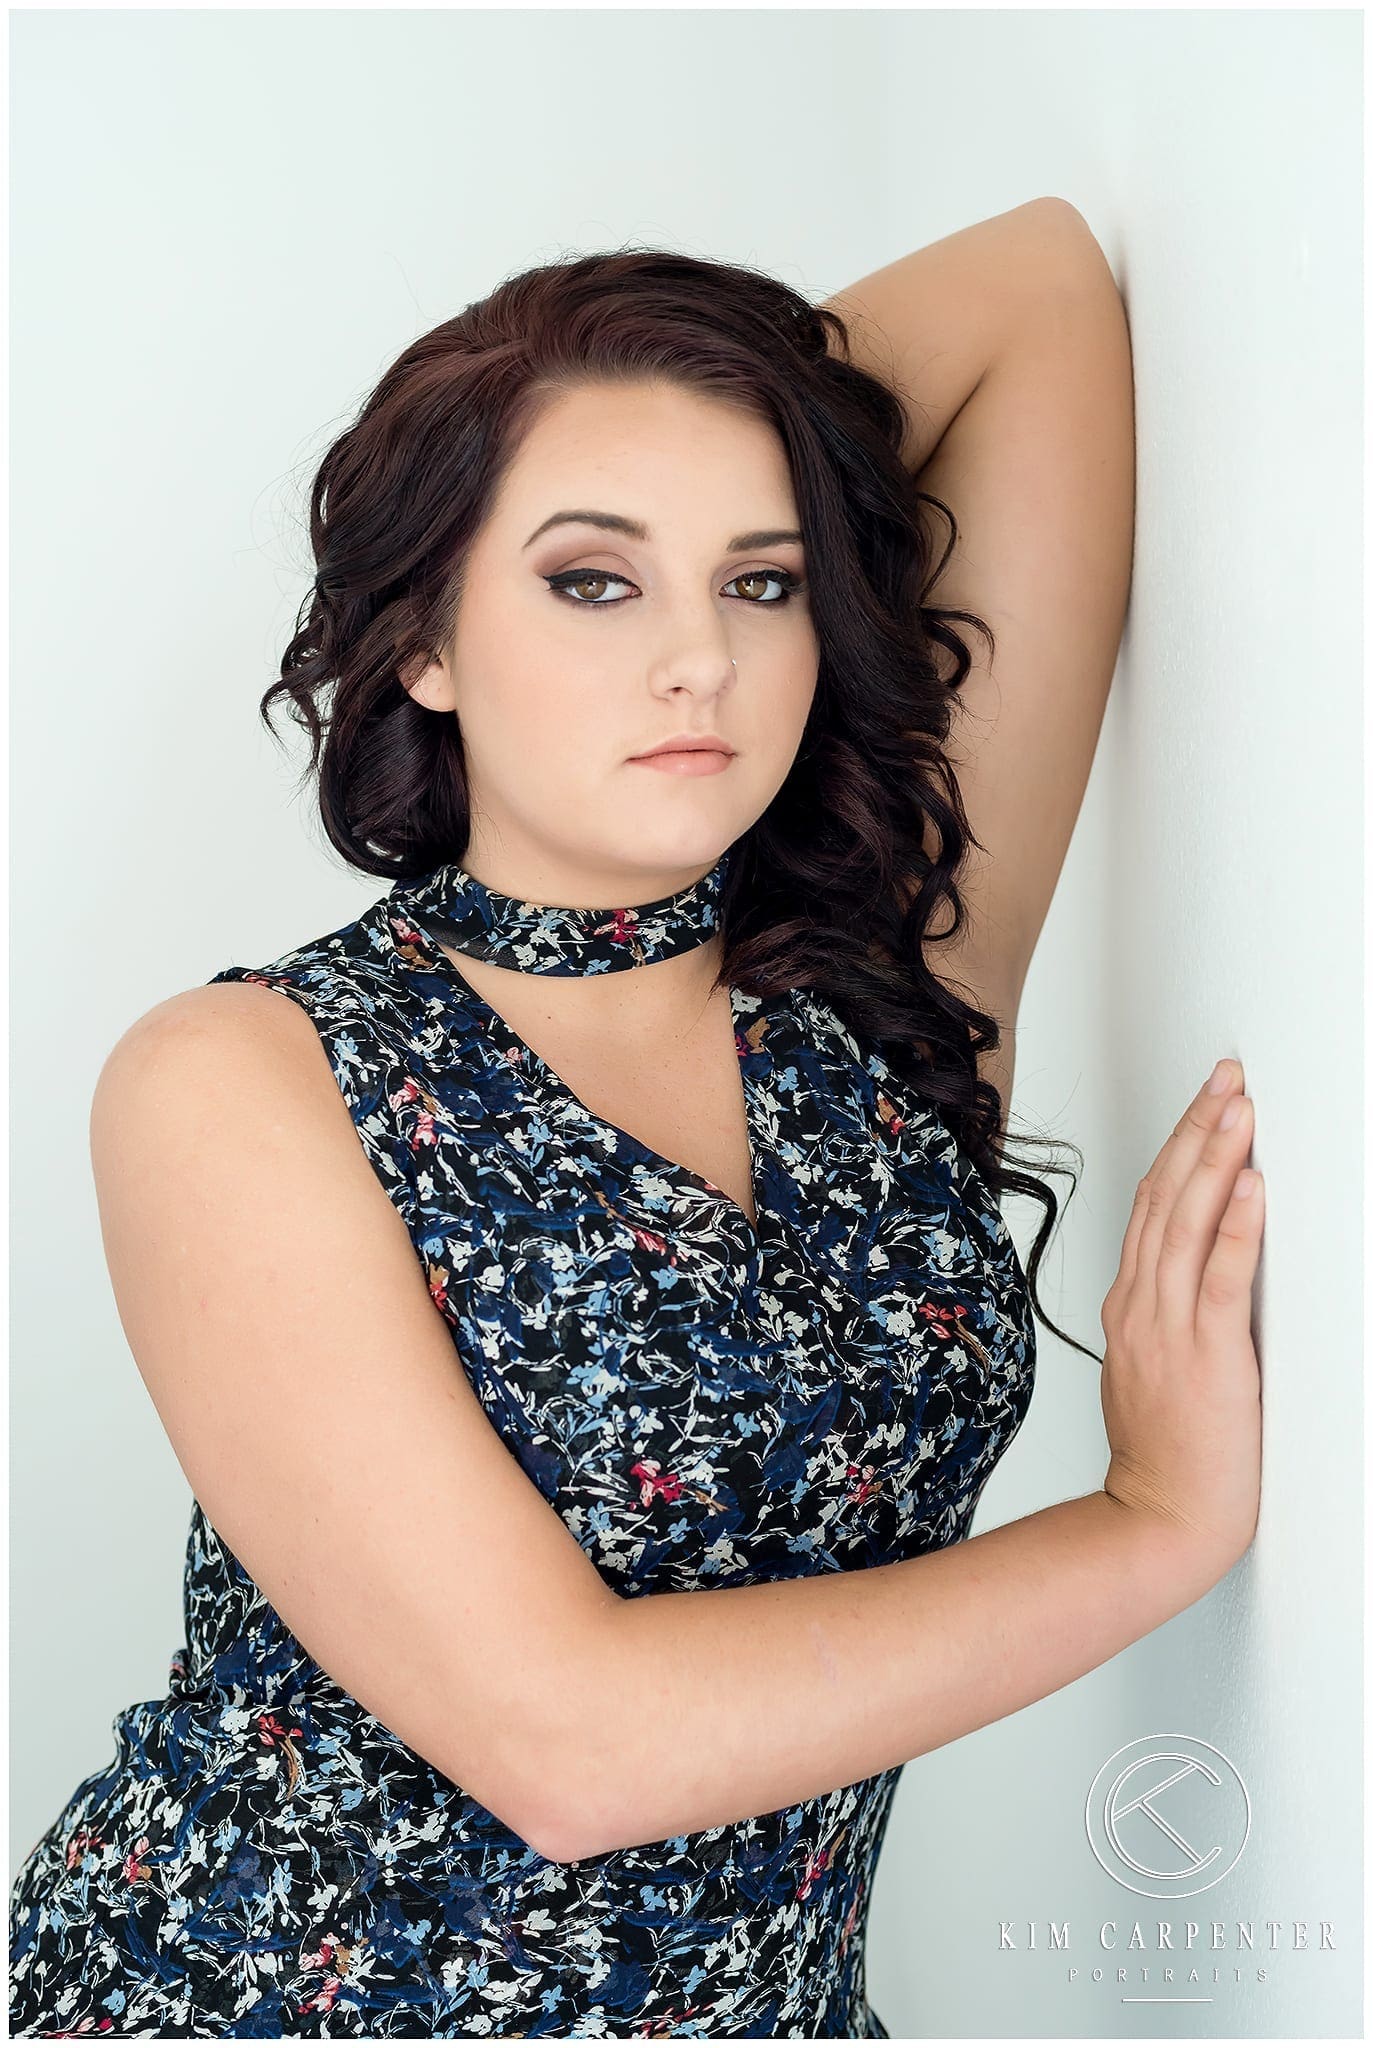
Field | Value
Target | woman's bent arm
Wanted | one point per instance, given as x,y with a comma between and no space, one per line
722,1703
705,1707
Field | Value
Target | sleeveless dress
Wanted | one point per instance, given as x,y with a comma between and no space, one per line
704,1404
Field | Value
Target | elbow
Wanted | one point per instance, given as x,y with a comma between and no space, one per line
573,1796
555,1821
539,1807
527,1793
563,1757
557,1840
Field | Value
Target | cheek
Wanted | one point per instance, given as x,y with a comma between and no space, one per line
522,714
776,733
783,703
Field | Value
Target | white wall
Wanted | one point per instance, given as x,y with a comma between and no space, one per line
225,225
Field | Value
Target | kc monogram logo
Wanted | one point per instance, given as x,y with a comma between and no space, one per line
1168,1816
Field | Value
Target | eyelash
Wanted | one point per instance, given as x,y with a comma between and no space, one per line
560,586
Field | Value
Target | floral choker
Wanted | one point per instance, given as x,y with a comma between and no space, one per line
541,938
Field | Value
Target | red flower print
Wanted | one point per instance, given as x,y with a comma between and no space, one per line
333,1958
273,1733
866,1483
818,1864
663,2024
893,1122
647,1471
623,929
944,1323
649,1239
623,926
78,1844
422,1127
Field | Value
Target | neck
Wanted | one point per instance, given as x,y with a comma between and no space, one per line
527,875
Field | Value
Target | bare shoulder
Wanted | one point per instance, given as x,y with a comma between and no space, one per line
222,1012
201,1054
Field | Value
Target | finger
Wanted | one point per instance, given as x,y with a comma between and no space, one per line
1189,1234
1177,1162
1129,1251
1157,1191
1225,1297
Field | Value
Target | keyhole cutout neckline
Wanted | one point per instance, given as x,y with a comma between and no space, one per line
412,917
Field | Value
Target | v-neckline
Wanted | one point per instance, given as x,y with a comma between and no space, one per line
513,1047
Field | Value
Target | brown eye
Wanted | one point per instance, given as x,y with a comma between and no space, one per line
570,584
788,583
570,579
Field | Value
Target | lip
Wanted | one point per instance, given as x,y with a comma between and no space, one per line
684,760
688,743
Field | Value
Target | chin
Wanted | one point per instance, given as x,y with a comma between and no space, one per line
682,842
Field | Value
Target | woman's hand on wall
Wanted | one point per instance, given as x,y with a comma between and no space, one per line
1180,1381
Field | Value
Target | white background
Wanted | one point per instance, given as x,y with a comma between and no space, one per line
225,226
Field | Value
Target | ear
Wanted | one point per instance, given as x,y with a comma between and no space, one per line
429,683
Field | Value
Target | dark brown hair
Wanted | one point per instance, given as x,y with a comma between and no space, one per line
831,889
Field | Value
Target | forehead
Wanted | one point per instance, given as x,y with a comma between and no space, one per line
643,449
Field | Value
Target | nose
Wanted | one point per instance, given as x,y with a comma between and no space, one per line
701,678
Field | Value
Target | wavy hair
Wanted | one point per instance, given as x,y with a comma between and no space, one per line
832,888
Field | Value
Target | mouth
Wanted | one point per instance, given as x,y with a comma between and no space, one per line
686,757
687,746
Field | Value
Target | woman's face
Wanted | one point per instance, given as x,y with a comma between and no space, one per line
691,625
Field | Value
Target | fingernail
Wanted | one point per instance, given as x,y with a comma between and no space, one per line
1219,1078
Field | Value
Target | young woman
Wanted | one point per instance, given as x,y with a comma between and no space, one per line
582,1309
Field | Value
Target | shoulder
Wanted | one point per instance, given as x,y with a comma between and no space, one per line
311,1050
224,1029
202,1068
339,1004
218,1132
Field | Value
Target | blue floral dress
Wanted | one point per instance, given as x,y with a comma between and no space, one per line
705,1403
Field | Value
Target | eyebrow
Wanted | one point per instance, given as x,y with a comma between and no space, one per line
615,522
